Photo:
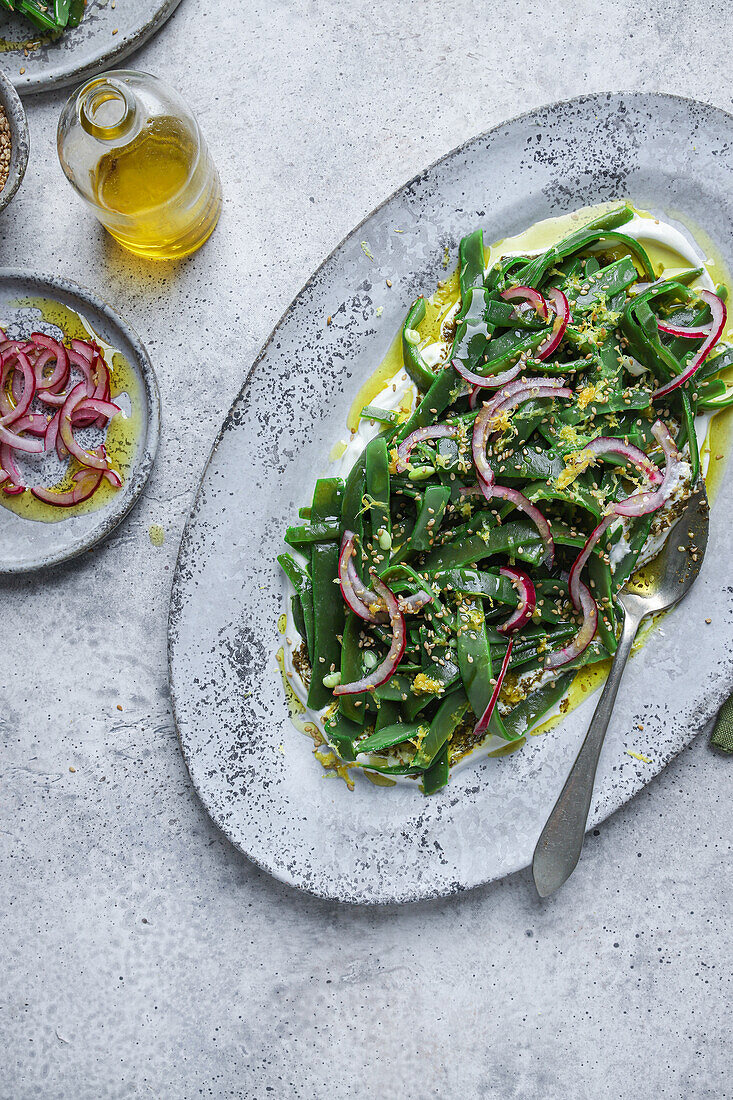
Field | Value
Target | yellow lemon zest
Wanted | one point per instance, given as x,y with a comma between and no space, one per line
426,685
575,463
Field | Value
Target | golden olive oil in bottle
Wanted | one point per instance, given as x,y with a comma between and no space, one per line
136,155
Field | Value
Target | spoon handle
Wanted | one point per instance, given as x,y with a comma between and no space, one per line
558,849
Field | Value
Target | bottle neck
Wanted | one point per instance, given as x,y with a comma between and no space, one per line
107,110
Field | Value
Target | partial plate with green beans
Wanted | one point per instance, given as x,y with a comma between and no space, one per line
458,451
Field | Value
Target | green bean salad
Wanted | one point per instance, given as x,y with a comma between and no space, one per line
447,590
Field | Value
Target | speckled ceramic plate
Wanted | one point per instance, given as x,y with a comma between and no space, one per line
28,544
19,139
253,770
109,32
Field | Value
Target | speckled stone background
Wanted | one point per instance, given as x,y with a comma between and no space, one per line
140,954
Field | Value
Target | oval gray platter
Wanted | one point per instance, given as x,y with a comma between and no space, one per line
84,50
27,545
253,771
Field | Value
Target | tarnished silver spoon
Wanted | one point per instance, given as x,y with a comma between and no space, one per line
665,581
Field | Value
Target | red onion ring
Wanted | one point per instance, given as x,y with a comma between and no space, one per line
503,492
361,599
20,443
607,445
640,504
432,431
527,294
346,581
104,409
486,381
11,471
562,316
113,478
507,398
410,605
532,394
719,317
35,423
683,330
483,723
527,599
386,669
582,558
86,484
21,366
577,645
66,433
60,373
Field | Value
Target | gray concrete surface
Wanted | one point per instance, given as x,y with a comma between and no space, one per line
139,954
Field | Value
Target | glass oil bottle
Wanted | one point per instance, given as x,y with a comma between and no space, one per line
134,152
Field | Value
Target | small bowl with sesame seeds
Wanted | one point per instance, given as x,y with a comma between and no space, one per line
14,141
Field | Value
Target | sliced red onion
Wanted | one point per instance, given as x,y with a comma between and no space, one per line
582,558
683,330
60,372
483,723
113,478
50,398
363,600
97,408
363,593
10,347
533,393
486,381
432,431
386,669
52,431
524,389
35,423
503,492
606,445
86,484
474,397
577,645
11,471
347,580
637,505
519,386
527,599
410,605
21,368
66,431
640,504
86,369
83,347
479,442
562,316
510,395
23,377
20,442
527,294
715,329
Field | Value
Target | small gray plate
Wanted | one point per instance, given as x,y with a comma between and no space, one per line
19,139
25,544
104,37
253,770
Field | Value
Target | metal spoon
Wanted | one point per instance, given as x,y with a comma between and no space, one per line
665,581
